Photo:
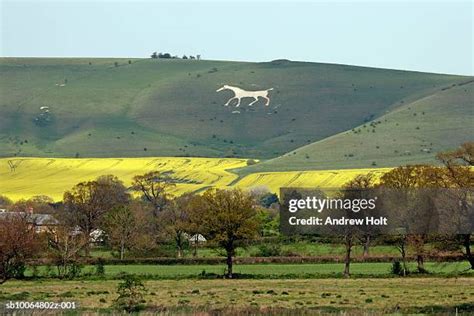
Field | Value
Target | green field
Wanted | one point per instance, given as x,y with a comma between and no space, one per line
287,297
144,107
302,271
302,249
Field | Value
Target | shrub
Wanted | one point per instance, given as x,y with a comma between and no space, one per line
268,250
100,267
130,291
251,162
397,268
73,270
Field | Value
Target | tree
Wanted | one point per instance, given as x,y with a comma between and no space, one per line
5,201
154,55
366,181
18,243
88,202
64,248
176,221
194,225
458,164
408,180
154,186
131,294
355,189
38,204
227,217
269,219
121,227
164,55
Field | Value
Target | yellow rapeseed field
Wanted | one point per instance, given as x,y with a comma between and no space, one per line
22,178
305,179
26,177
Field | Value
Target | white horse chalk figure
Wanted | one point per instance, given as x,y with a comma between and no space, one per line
241,93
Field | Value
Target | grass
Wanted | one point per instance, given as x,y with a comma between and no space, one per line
300,248
171,108
361,296
412,133
283,271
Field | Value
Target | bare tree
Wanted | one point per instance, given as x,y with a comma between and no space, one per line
121,226
355,189
154,187
65,245
88,202
176,221
460,175
408,180
18,243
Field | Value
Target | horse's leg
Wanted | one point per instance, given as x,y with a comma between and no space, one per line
228,102
238,103
268,101
251,103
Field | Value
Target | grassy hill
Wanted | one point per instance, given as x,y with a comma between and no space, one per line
412,133
145,107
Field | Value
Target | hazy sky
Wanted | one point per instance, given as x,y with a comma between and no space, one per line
434,36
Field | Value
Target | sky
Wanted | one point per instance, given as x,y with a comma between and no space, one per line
431,36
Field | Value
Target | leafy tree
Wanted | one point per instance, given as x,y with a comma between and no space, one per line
154,55
227,217
131,294
164,55
269,220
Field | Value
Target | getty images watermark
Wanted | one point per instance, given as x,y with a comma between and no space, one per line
376,211
317,205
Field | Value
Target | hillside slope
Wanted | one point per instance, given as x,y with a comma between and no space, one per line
144,107
413,133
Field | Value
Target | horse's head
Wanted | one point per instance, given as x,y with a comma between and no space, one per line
224,87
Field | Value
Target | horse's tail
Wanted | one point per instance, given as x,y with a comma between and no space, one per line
270,89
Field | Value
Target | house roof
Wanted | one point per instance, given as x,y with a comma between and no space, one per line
37,219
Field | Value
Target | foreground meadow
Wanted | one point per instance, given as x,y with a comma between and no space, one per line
22,178
409,295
